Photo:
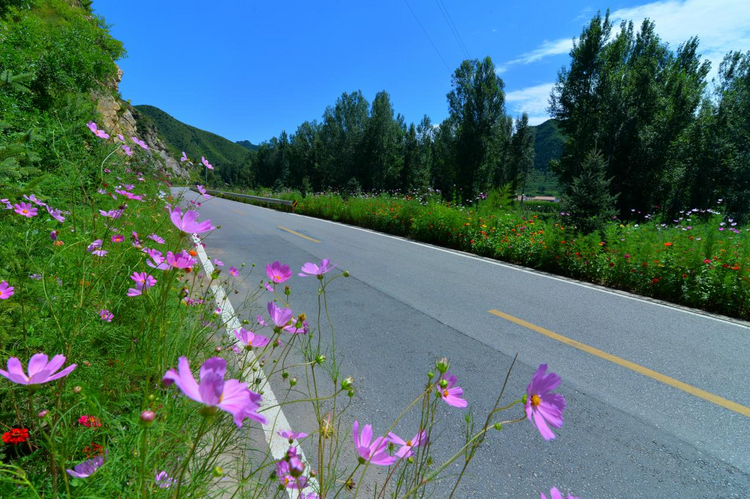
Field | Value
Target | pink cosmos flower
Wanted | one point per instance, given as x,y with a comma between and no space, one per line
543,407
451,394
234,272
376,451
206,163
6,291
120,137
113,214
406,446
143,145
94,246
86,468
25,209
218,262
56,214
310,269
143,281
213,391
117,238
555,494
155,237
280,316
7,204
202,190
41,370
250,339
290,472
181,260
163,480
184,157
106,315
188,223
127,150
34,200
290,435
99,133
278,273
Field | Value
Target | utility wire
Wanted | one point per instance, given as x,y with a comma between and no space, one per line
427,35
453,28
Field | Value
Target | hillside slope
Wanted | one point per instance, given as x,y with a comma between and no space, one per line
548,144
178,137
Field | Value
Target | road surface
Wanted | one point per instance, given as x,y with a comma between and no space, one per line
658,398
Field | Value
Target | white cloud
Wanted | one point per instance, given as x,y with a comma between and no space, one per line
530,100
721,25
500,69
548,48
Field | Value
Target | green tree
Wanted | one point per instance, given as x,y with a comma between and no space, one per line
341,140
477,118
588,200
383,146
520,157
576,99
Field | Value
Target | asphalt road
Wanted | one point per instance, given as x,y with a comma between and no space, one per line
632,430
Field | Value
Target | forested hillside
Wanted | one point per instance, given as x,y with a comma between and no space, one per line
179,137
548,144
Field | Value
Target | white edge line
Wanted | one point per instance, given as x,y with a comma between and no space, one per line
270,405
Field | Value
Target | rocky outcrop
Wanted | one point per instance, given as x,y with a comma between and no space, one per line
117,116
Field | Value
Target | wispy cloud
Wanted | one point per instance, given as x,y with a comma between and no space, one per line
530,100
546,49
721,25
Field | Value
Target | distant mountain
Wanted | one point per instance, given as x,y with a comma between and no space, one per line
178,137
247,145
548,144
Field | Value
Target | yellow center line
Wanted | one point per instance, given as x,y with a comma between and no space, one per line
298,234
237,211
715,399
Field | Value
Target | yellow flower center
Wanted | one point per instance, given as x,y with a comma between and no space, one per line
25,212
445,393
535,400
408,443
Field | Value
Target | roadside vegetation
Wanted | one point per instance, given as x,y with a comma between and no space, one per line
699,259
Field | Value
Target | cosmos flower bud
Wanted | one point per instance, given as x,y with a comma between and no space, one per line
287,290
430,374
218,349
347,383
285,375
498,426
442,365
350,393
320,359
292,381
147,417
42,414
218,471
346,273
151,397
443,383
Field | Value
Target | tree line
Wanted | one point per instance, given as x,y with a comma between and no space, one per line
645,130
361,146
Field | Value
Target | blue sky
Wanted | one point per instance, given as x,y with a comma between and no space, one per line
249,69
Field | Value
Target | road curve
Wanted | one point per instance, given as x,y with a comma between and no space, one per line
658,397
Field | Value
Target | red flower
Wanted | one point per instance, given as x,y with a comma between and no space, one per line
16,436
89,421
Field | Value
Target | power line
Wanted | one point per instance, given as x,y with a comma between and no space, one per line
428,36
452,27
